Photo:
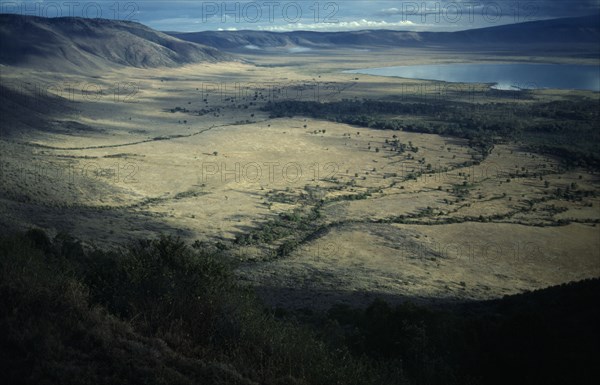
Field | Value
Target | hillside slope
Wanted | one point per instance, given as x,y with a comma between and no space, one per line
70,43
162,312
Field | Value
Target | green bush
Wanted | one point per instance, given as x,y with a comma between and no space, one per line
155,312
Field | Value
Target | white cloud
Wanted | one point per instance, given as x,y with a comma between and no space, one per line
340,26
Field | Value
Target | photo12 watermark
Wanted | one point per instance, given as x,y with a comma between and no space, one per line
73,91
48,172
244,92
269,12
112,10
474,251
265,172
464,12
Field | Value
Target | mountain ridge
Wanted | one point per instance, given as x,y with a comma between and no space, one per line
72,43
579,30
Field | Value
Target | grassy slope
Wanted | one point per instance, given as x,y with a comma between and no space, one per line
162,312
157,312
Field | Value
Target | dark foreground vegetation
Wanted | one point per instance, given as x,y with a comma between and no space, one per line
567,129
163,312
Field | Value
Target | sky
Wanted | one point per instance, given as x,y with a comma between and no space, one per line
311,15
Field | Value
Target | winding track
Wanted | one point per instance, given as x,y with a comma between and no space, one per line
156,139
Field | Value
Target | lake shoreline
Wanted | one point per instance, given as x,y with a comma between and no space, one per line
504,76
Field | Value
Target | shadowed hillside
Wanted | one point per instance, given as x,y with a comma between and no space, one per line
22,112
68,43
160,311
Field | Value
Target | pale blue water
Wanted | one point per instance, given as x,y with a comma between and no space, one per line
511,76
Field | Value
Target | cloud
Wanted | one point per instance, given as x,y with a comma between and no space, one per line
339,26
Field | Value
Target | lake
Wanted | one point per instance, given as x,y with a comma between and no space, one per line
513,76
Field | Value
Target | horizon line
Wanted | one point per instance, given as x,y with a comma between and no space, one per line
297,30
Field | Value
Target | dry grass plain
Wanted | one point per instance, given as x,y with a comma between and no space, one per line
188,151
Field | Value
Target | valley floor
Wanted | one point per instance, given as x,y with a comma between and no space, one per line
192,152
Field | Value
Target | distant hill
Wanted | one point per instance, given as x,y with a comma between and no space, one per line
70,43
573,32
